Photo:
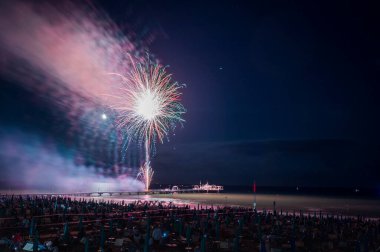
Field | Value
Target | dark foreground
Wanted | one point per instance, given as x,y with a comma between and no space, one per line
64,224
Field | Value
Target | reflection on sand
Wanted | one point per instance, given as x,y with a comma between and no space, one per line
333,205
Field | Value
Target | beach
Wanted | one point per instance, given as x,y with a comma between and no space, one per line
333,205
344,205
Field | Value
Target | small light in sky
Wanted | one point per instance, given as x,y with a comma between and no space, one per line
220,68
104,116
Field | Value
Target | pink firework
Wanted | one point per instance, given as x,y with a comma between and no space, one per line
149,107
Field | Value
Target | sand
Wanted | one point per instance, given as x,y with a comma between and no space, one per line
333,205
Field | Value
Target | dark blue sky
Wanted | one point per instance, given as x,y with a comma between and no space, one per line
301,77
284,92
290,70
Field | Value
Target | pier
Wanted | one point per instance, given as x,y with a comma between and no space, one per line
175,189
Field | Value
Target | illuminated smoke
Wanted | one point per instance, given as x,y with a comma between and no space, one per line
28,162
62,55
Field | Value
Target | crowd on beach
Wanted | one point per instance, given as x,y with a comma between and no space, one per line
46,223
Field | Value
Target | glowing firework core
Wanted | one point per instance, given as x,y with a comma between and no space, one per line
149,108
148,105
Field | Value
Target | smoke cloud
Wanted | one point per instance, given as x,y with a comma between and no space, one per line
28,162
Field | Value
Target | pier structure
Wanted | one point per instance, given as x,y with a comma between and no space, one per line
207,187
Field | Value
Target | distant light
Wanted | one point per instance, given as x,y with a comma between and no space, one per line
104,116
220,68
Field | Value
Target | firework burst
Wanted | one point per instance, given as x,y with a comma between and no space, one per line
149,107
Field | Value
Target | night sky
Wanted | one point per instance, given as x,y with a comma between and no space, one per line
284,93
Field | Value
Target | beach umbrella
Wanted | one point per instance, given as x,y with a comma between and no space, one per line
267,218
147,237
66,232
32,227
203,244
86,246
2,212
293,244
259,231
236,244
81,227
357,246
241,223
180,227
111,228
215,215
65,210
188,234
35,241
262,246
175,225
21,202
227,220
198,222
35,244
366,242
217,231
33,203
102,238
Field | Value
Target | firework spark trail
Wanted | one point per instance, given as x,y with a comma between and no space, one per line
63,55
149,107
